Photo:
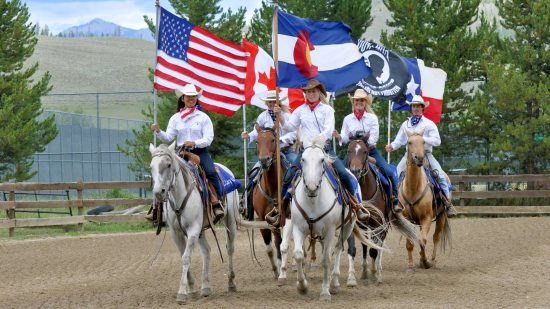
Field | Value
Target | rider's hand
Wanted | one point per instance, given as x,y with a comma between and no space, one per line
389,148
336,135
244,135
189,144
155,127
277,109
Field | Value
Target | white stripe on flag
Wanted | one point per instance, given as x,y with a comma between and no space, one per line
217,44
325,57
214,53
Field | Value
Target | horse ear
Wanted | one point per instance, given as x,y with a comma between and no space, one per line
172,147
409,132
365,138
421,133
151,148
351,137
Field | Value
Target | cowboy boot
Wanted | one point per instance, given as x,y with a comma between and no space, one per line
153,212
218,212
362,214
449,207
395,205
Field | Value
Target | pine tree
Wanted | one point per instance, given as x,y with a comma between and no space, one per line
206,14
515,97
23,131
440,33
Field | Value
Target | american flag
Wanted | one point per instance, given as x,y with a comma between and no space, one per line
189,54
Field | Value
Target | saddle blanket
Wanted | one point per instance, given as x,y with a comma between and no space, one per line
434,182
335,184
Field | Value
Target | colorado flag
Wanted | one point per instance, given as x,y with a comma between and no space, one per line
321,50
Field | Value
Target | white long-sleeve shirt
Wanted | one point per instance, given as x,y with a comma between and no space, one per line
368,123
312,123
264,120
196,127
431,134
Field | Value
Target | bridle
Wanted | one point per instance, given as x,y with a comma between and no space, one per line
272,157
322,172
174,174
365,165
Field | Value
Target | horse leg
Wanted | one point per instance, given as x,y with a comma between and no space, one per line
352,281
205,252
376,256
365,263
278,241
266,235
313,258
183,291
299,237
425,224
286,230
410,247
335,280
231,235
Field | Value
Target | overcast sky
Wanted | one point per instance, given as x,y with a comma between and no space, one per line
62,14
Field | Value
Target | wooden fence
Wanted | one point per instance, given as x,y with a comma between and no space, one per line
539,188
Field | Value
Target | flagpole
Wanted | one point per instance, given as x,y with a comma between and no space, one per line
157,4
332,97
389,126
276,60
245,153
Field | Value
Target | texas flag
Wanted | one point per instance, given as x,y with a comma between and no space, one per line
321,50
260,77
427,82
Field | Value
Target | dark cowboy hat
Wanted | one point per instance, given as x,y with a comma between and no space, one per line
315,84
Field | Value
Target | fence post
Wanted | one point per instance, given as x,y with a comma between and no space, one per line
80,198
461,187
10,213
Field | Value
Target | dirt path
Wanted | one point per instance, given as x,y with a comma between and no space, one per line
493,263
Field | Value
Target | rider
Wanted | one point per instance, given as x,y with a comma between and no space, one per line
314,118
193,130
431,139
363,120
267,120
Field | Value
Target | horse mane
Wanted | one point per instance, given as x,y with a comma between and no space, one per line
319,142
164,149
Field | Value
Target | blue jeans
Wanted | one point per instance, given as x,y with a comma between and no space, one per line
385,167
208,166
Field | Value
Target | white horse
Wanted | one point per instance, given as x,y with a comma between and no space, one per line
184,213
315,210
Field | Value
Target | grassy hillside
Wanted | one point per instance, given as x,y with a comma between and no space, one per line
84,65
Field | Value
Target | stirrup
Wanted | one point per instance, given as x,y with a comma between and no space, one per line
362,215
273,218
395,205
218,211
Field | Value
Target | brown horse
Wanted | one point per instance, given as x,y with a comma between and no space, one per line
417,198
377,201
264,195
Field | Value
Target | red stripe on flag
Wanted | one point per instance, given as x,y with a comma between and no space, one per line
215,59
433,111
216,71
218,39
224,52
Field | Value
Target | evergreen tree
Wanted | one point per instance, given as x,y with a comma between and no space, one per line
440,33
23,131
206,14
514,103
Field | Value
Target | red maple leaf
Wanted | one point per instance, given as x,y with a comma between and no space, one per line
268,81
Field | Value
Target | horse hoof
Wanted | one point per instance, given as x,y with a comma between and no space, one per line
427,265
325,297
409,270
352,282
232,288
302,287
364,275
194,294
182,299
281,281
206,292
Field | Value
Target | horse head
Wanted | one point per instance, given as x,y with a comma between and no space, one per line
163,169
266,144
415,147
313,160
358,154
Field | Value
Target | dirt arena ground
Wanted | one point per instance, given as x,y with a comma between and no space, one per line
493,263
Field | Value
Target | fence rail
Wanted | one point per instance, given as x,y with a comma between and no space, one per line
460,181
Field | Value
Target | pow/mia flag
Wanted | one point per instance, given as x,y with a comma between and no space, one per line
390,74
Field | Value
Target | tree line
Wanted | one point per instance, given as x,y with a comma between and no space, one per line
495,114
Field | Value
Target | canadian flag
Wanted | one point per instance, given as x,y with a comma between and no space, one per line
260,77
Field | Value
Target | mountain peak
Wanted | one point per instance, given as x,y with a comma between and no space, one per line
99,27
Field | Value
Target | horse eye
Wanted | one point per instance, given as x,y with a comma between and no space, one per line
409,143
169,165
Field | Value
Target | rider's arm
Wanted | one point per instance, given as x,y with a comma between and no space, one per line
328,126
344,133
374,130
170,132
431,135
207,133
400,138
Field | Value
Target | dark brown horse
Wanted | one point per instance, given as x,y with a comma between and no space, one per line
417,197
377,202
264,195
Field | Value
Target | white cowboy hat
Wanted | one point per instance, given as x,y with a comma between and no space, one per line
188,89
270,95
418,100
361,94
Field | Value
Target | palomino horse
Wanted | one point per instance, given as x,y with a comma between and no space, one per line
376,200
264,196
315,211
175,183
417,196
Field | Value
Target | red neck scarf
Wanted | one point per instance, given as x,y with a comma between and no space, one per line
185,113
312,106
359,115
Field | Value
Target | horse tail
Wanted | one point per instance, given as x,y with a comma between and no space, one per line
406,228
364,237
446,239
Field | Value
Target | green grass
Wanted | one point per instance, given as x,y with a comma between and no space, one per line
89,228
